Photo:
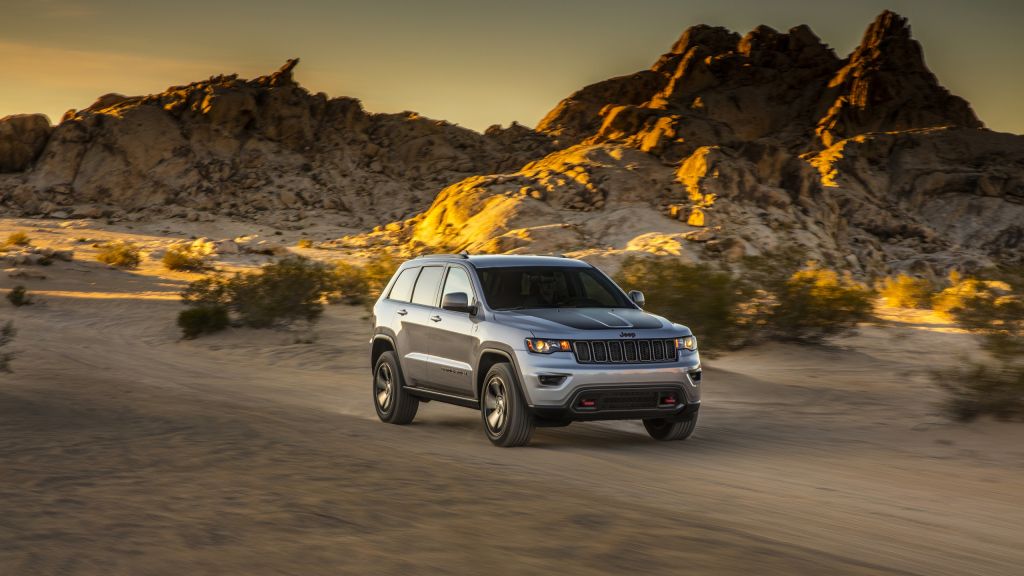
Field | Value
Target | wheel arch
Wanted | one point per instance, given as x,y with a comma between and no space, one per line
381,344
488,358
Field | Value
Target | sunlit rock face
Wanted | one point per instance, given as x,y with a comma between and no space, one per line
263,149
736,145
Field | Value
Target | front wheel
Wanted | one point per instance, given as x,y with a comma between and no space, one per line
662,429
394,405
507,421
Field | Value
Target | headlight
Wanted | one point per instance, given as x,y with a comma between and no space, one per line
545,346
686,343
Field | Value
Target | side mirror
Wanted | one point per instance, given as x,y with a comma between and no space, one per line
637,297
457,302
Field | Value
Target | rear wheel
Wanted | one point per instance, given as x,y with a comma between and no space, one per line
506,419
662,429
393,404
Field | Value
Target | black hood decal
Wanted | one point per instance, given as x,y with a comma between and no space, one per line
595,318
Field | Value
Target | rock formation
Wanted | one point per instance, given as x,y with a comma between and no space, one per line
732,146
262,149
727,146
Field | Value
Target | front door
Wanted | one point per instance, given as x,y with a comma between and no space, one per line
453,339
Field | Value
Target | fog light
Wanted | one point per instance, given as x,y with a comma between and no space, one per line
551,379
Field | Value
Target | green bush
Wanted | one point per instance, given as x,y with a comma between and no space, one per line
6,337
184,260
120,254
290,289
905,291
816,303
204,319
706,300
19,297
17,239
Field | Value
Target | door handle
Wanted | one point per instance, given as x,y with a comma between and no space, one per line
435,318
403,312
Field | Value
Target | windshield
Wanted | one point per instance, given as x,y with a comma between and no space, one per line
549,287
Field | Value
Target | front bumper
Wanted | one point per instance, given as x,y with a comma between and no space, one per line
554,385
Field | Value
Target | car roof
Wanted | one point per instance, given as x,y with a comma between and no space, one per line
506,260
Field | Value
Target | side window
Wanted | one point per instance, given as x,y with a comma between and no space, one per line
402,290
458,281
425,292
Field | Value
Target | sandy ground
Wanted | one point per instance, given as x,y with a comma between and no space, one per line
124,450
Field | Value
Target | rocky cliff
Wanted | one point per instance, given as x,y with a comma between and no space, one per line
263,149
731,146
727,146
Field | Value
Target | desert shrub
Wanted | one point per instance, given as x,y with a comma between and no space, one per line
379,271
351,283
183,259
19,297
355,284
204,319
120,254
705,299
290,289
994,310
978,388
304,243
815,303
905,291
17,239
7,333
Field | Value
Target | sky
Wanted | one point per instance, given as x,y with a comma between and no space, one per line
471,62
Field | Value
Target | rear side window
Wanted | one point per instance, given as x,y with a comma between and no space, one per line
402,290
425,292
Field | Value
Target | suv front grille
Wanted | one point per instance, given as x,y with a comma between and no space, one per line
624,351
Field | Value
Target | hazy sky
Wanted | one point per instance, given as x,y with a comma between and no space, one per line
475,63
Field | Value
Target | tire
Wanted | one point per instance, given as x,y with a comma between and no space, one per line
662,429
393,404
507,421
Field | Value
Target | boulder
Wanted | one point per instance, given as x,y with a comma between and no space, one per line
22,138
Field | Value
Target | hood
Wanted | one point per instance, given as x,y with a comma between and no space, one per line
560,319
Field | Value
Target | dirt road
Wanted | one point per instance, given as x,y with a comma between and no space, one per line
126,451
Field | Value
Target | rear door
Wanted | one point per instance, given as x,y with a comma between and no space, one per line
414,318
453,338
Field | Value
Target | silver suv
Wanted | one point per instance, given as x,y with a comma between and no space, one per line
529,341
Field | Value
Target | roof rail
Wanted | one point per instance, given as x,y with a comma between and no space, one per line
462,255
